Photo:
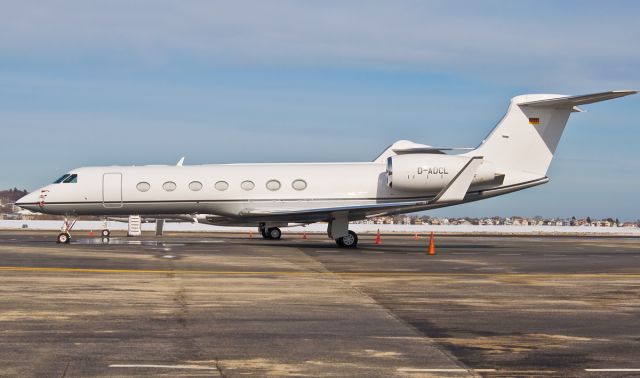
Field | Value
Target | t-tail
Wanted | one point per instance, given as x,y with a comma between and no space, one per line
526,138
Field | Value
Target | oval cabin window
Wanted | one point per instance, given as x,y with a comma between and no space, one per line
247,185
299,185
143,186
169,186
195,185
273,185
222,185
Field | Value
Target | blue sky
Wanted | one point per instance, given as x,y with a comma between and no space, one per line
146,82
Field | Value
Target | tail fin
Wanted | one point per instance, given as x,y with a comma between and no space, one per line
527,137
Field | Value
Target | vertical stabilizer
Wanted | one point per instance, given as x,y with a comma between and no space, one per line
528,135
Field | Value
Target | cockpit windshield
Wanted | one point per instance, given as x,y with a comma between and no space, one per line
61,179
67,178
72,179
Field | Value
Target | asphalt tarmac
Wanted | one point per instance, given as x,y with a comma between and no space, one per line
229,305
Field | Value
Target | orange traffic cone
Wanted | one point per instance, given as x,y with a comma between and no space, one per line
432,244
378,239
304,235
91,233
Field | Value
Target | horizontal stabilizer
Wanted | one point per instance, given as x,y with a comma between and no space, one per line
458,187
571,101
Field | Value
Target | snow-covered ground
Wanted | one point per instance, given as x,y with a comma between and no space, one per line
359,228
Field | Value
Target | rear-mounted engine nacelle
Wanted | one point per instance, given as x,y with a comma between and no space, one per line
431,173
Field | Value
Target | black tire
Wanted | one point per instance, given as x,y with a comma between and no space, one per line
263,232
63,238
349,241
274,233
106,233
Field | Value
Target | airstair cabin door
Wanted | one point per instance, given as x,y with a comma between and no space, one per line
112,190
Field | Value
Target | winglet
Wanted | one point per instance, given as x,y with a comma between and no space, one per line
179,163
457,188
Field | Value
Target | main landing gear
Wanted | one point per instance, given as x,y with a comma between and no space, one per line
348,241
270,233
338,230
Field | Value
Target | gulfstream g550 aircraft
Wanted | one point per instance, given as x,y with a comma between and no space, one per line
406,177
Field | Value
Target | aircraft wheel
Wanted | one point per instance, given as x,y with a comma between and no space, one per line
63,238
106,233
274,233
349,241
263,232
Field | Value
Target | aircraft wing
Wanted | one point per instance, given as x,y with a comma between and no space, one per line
328,210
174,218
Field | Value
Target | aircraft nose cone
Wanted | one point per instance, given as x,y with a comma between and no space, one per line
30,201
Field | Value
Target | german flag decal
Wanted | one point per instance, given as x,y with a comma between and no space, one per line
534,121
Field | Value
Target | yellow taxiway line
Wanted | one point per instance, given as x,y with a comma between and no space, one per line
312,273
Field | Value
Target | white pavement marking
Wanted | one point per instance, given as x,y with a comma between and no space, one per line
168,256
463,253
510,254
612,370
190,367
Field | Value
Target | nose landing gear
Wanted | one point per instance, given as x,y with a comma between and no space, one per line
64,237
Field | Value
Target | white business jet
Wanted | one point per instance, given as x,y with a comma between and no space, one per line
406,177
